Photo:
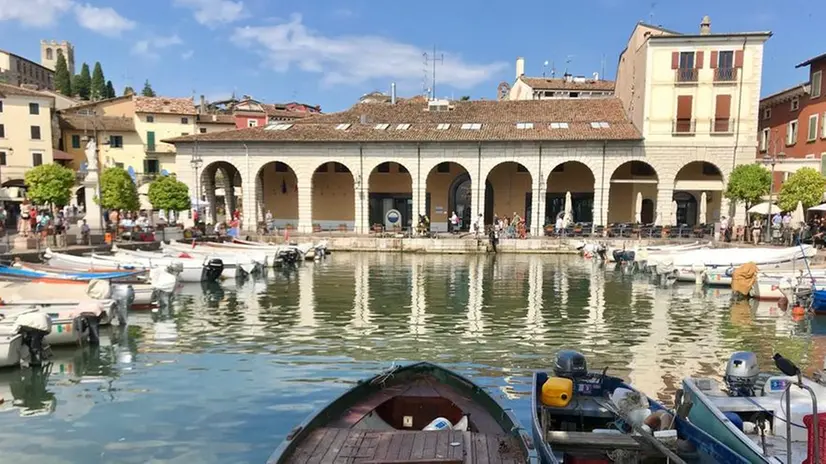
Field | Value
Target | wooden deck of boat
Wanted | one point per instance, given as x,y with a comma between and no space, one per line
348,446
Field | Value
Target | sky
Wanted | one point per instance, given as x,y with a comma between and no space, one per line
329,53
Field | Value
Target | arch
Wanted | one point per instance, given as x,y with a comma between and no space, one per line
220,191
334,197
49,53
574,177
629,180
448,189
15,183
691,181
510,191
277,186
390,187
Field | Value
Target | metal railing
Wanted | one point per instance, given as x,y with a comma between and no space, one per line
725,74
722,126
686,75
157,148
684,126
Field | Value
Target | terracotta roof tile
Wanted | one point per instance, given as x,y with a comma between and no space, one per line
216,119
164,105
498,123
541,83
108,123
279,111
6,89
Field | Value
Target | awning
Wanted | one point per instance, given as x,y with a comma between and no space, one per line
818,208
59,155
764,208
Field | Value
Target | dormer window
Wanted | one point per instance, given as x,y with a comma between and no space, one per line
342,127
403,126
559,125
524,125
381,126
443,126
795,104
600,125
471,126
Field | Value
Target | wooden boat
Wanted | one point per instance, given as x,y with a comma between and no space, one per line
380,420
579,416
749,401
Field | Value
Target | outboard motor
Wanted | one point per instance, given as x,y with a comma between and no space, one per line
124,296
33,327
621,256
741,373
602,252
570,364
289,257
212,269
320,251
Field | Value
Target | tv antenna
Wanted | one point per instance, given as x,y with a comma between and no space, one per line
568,60
433,59
651,13
544,67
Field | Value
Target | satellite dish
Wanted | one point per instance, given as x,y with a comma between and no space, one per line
164,172
131,172
84,166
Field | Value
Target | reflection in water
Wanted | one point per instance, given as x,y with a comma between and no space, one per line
252,358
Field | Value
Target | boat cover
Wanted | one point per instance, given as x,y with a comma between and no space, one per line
744,278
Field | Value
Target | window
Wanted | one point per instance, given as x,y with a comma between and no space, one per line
725,59
812,134
722,114
323,168
684,122
791,132
767,113
383,167
281,167
823,133
252,123
37,159
342,126
524,125
764,139
817,83
443,127
150,141
184,120
34,108
520,168
573,95
559,125
116,141
202,130
443,168
49,54
638,168
1,106
403,169
340,167
600,125
2,131
473,126
151,166
381,126
184,133
75,141
795,104
403,127
35,132
683,62
2,158
710,169
150,118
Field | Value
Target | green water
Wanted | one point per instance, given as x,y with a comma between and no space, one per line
228,371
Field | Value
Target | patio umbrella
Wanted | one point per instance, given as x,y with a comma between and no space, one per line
764,208
673,213
798,217
703,212
569,210
638,210
657,219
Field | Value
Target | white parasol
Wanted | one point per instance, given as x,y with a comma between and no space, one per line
673,213
569,210
638,211
764,208
703,211
798,216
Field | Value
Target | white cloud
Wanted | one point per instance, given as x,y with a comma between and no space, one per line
187,54
150,48
38,13
105,21
215,12
355,59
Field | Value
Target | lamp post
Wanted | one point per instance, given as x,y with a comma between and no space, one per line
772,157
196,162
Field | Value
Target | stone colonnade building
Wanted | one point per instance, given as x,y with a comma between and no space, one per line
348,170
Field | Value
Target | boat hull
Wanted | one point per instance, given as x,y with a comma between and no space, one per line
10,349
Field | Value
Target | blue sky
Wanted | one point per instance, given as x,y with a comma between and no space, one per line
330,53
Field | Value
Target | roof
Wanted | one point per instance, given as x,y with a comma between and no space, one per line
795,90
811,60
61,155
7,89
497,122
279,111
107,123
26,59
97,102
542,83
713,35
218,118
160,105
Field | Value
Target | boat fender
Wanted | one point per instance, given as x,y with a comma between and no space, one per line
735,420
439,423
462,425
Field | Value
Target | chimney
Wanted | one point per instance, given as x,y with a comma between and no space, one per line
202,108
705,26
520,67
596,76
392,93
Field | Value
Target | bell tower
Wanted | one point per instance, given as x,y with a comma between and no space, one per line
49,51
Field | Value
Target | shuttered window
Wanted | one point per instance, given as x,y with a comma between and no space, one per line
722,113
684,122
738,59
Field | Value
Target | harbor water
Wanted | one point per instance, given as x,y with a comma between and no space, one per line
226,371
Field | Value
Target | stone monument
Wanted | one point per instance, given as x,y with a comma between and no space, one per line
90,188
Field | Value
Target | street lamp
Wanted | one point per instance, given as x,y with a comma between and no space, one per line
772,157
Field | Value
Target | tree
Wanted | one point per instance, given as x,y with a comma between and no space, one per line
82,83
147,90
128,91
50,184
110,90
169,194
118,190
748,183
62,78
464,98
806,185
98,87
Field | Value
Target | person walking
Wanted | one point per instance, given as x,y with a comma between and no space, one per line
756,229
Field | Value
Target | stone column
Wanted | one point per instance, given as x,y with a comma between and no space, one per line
362,219
665,198
477,197
252,195
601,202
305,206
418,207
207,182
538,209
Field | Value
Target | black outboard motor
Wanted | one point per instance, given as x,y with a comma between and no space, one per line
33,328
570,364
212,270
602,252
621,256
289,257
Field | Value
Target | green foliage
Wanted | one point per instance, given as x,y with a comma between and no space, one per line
98,88
170,194
62,78
50,184
147,90
82,83
748,183
110,90
464,98
128,91
118,190
806,185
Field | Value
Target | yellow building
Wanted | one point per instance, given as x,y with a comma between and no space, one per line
160,118
25,132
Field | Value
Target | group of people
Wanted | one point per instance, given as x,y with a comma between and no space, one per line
782,230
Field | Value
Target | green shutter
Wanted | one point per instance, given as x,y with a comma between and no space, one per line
823,164
75,141
150,141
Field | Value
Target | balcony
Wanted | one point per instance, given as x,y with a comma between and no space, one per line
686,75
724,75
684,127
722,126
159,148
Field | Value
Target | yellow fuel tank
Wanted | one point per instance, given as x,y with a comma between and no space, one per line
557,392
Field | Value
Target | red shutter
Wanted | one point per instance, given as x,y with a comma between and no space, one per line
684,106
722,109
738,59
699,63
675,60
713,64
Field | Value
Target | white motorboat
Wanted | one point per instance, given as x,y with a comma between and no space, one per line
236,264
690,265
22,334
189,270
643,253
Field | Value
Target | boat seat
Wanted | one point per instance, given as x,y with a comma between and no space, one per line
587,440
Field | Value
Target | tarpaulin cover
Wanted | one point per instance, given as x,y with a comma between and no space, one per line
744,278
